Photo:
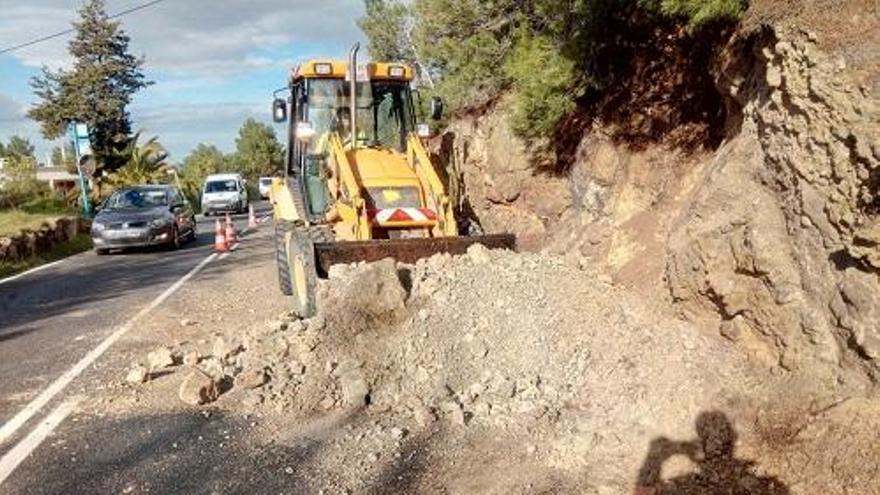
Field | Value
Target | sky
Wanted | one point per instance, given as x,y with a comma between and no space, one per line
214,62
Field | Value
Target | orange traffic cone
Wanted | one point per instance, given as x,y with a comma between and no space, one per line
220,244
252,219
230,232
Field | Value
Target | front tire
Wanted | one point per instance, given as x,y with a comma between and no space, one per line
174,244
102,251
284,282
193,231
300,250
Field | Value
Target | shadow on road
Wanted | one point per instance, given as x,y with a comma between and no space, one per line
718,470
195,452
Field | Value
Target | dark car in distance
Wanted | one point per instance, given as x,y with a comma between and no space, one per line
140,216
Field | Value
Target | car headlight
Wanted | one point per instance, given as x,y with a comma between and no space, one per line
98,226
160,222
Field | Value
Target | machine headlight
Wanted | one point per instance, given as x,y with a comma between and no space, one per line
323,69
396,71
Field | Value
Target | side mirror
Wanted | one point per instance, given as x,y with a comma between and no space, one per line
279,110
436,108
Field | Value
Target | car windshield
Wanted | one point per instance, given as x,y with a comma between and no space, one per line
265,182
220,186
137,198
384,111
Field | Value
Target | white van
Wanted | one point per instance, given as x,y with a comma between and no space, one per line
224,193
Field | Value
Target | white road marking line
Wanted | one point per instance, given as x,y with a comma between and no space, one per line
20,452
32,270
222,256
58,385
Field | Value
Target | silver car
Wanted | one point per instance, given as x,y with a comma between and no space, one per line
143,216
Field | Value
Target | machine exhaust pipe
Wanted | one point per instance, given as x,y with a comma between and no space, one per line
352,67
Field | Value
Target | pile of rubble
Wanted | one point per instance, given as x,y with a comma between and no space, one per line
534,350
491,338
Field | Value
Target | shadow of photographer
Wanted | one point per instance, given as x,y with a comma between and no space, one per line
718,471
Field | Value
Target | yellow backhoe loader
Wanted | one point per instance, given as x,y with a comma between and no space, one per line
359,185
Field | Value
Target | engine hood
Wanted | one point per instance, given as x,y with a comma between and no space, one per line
381,167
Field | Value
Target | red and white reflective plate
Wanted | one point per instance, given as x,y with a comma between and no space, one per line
396,215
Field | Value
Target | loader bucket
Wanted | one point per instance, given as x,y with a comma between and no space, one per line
328,254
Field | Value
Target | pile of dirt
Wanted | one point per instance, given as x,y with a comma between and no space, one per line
529,362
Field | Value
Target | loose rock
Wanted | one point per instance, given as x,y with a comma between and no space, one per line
198,388
160,358
251,379
137,374
191,358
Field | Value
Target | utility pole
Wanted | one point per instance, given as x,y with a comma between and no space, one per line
82,149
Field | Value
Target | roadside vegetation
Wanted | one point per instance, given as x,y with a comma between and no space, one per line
550,54
79,244
96,90
258,153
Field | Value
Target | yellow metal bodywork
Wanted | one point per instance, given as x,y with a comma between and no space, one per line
338,69
350,172
283,206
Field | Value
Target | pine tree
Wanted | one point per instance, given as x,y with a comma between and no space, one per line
387,26
96,91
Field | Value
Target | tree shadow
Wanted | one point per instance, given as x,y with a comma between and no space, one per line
718,470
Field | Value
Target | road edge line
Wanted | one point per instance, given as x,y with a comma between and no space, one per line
23,416
10,461
33,270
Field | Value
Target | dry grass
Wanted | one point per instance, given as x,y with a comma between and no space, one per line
14,221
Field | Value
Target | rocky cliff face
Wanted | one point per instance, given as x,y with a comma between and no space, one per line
780,242
770,238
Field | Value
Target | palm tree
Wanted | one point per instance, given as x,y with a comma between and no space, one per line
144,164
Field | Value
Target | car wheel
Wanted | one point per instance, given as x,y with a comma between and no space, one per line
102,251
193,231
175,238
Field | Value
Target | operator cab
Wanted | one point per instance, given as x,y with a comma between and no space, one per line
320,105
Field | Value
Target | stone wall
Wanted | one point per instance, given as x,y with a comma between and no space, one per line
29,243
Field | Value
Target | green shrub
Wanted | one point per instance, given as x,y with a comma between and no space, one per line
544,83
699,12
48,205
548,51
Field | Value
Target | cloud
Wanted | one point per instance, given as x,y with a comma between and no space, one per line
181,126
198,38
227,55
11,111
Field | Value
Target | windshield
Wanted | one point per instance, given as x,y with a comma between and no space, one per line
137,198
265,182
220,186
384,113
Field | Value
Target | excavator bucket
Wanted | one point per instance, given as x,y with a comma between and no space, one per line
328,254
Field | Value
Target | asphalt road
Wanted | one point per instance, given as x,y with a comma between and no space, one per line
101,435
51,318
